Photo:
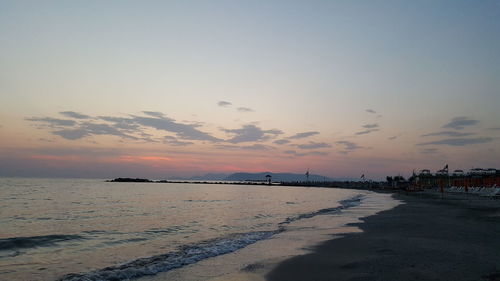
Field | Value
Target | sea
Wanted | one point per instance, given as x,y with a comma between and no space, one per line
90,229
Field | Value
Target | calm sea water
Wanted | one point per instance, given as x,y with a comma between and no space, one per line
78,229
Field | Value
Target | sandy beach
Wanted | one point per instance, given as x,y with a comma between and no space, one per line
427,238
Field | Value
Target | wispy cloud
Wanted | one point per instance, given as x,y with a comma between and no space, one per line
318,153
76,151
459,123
75,115
370,126
104,129
392,137
294,153
175,142
300,154
429,151
245,109
183,131
224,103
449,134
459,141
281,141
154,114
52,121
124,127
303,135
364,132
71,134
251,133
127,124
348,146
371,111
88,129
314,145
256,146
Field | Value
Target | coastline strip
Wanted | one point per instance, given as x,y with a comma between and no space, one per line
190,254
427,238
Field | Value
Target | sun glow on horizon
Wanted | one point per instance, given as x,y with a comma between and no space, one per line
184,88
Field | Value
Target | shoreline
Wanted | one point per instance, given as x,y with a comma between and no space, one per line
425,238
253,262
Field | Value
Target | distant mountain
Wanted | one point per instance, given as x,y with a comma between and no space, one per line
275,177
209,177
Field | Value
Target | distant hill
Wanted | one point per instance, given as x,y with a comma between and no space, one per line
210,177
205,177
275,177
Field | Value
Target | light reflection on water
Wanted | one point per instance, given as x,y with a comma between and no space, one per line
76,225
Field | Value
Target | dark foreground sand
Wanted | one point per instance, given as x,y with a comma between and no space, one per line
428,238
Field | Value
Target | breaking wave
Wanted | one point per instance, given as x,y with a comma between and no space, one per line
190,254
15,243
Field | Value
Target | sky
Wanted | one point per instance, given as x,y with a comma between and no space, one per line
164,89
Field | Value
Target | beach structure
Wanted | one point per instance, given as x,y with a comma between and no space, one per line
268,178
476,177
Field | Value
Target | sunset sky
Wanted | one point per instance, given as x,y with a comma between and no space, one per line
163,89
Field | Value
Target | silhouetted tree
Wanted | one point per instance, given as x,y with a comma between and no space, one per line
399,178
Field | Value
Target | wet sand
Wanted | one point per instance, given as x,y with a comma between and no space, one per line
427,238
253,262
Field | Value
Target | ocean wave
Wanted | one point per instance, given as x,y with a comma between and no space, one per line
344,204
189,254
124,241
161,263
15,243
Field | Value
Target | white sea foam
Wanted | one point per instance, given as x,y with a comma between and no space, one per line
189,254
76,228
